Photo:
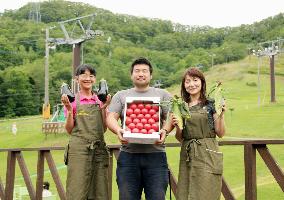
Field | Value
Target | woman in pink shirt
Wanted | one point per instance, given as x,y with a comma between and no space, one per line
88,155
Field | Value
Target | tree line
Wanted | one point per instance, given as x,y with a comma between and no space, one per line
171,48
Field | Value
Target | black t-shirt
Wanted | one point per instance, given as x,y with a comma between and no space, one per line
210,106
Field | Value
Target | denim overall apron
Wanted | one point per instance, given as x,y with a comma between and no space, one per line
88,156
201,163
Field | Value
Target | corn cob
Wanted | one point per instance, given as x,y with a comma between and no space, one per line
217,94
180,110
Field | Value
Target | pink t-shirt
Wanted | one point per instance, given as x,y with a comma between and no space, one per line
83,100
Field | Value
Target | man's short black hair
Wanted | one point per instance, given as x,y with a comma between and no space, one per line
141,60
83,67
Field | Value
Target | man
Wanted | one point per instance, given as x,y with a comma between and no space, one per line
140,166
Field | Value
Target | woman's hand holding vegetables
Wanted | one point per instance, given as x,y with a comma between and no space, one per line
175,121
108,99
223,108
220,121
66,102
69,125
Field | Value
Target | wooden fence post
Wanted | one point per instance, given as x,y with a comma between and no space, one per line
250,172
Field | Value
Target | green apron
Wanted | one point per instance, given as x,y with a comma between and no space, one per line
201,163
88,156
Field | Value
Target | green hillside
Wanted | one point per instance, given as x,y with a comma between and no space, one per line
169,46
247,120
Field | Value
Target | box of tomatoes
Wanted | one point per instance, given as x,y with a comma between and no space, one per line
142,120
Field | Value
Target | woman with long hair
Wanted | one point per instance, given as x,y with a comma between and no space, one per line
201,162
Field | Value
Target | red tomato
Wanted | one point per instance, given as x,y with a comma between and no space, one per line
144,121
155,127
135,130
147,126
140,116
144,111
144,131
129,111
147,116
139,126
135,120
151,131
140,106
131,126
128,120
155,117
133,106
148,106
133,116
137,111
155,107
151,121
151,111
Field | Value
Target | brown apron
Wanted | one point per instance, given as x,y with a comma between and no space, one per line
201,163
88,156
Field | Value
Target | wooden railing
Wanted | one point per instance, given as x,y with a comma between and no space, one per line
250,147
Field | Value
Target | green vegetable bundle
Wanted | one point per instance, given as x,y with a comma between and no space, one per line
179,108
216,93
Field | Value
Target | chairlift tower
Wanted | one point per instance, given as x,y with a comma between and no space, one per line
270,48
86,33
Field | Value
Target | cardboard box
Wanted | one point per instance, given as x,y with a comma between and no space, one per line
142,120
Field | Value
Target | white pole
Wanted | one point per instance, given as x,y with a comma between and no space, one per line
258,79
